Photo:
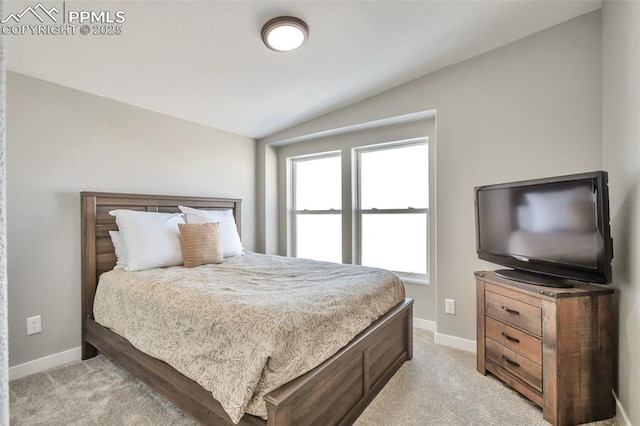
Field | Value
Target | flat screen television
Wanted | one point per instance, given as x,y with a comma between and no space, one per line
548,230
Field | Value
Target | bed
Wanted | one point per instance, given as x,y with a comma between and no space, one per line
334,392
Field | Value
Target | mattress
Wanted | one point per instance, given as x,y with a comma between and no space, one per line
243,328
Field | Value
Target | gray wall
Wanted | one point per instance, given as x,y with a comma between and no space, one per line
4,354
267,199
529,109
621,137
62,141
424,295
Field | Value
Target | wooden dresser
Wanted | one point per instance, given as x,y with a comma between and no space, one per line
553,345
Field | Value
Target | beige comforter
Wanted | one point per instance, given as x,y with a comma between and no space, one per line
247,326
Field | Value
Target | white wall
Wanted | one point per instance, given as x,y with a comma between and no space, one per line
621,137
529,109
62,141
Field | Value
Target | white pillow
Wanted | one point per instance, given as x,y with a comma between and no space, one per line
231,245
151,240
121,252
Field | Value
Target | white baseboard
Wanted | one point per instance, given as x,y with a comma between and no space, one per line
42,364
621,415
455,342
424,324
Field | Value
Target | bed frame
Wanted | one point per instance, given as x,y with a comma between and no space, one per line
335,392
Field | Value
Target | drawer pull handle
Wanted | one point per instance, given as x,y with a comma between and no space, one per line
511,311
513,339
508,361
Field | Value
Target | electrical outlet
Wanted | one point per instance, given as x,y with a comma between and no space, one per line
450,306
34,325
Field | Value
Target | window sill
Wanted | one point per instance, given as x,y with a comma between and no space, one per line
414,280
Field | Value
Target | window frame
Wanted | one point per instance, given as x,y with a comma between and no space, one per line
351,221
358,211
293,211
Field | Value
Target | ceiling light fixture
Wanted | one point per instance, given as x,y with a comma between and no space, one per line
285,33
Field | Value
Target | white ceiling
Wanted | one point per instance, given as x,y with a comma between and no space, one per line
204,61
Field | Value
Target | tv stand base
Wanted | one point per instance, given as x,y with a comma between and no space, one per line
533,278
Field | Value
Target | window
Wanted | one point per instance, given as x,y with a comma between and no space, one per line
386,187
392,211
317,207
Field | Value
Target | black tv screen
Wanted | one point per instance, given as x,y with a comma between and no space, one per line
557,227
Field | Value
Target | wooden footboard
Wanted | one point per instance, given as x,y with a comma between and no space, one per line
335,392
338,391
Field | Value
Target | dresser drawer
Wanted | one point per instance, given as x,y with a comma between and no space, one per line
519,342
516,364
514,312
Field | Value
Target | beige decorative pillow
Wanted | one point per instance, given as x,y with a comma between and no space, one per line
200,243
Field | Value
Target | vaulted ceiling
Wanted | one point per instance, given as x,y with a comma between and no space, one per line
204,61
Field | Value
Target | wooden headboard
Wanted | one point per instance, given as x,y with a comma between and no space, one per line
98,254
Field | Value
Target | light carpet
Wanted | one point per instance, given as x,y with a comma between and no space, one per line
440,386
